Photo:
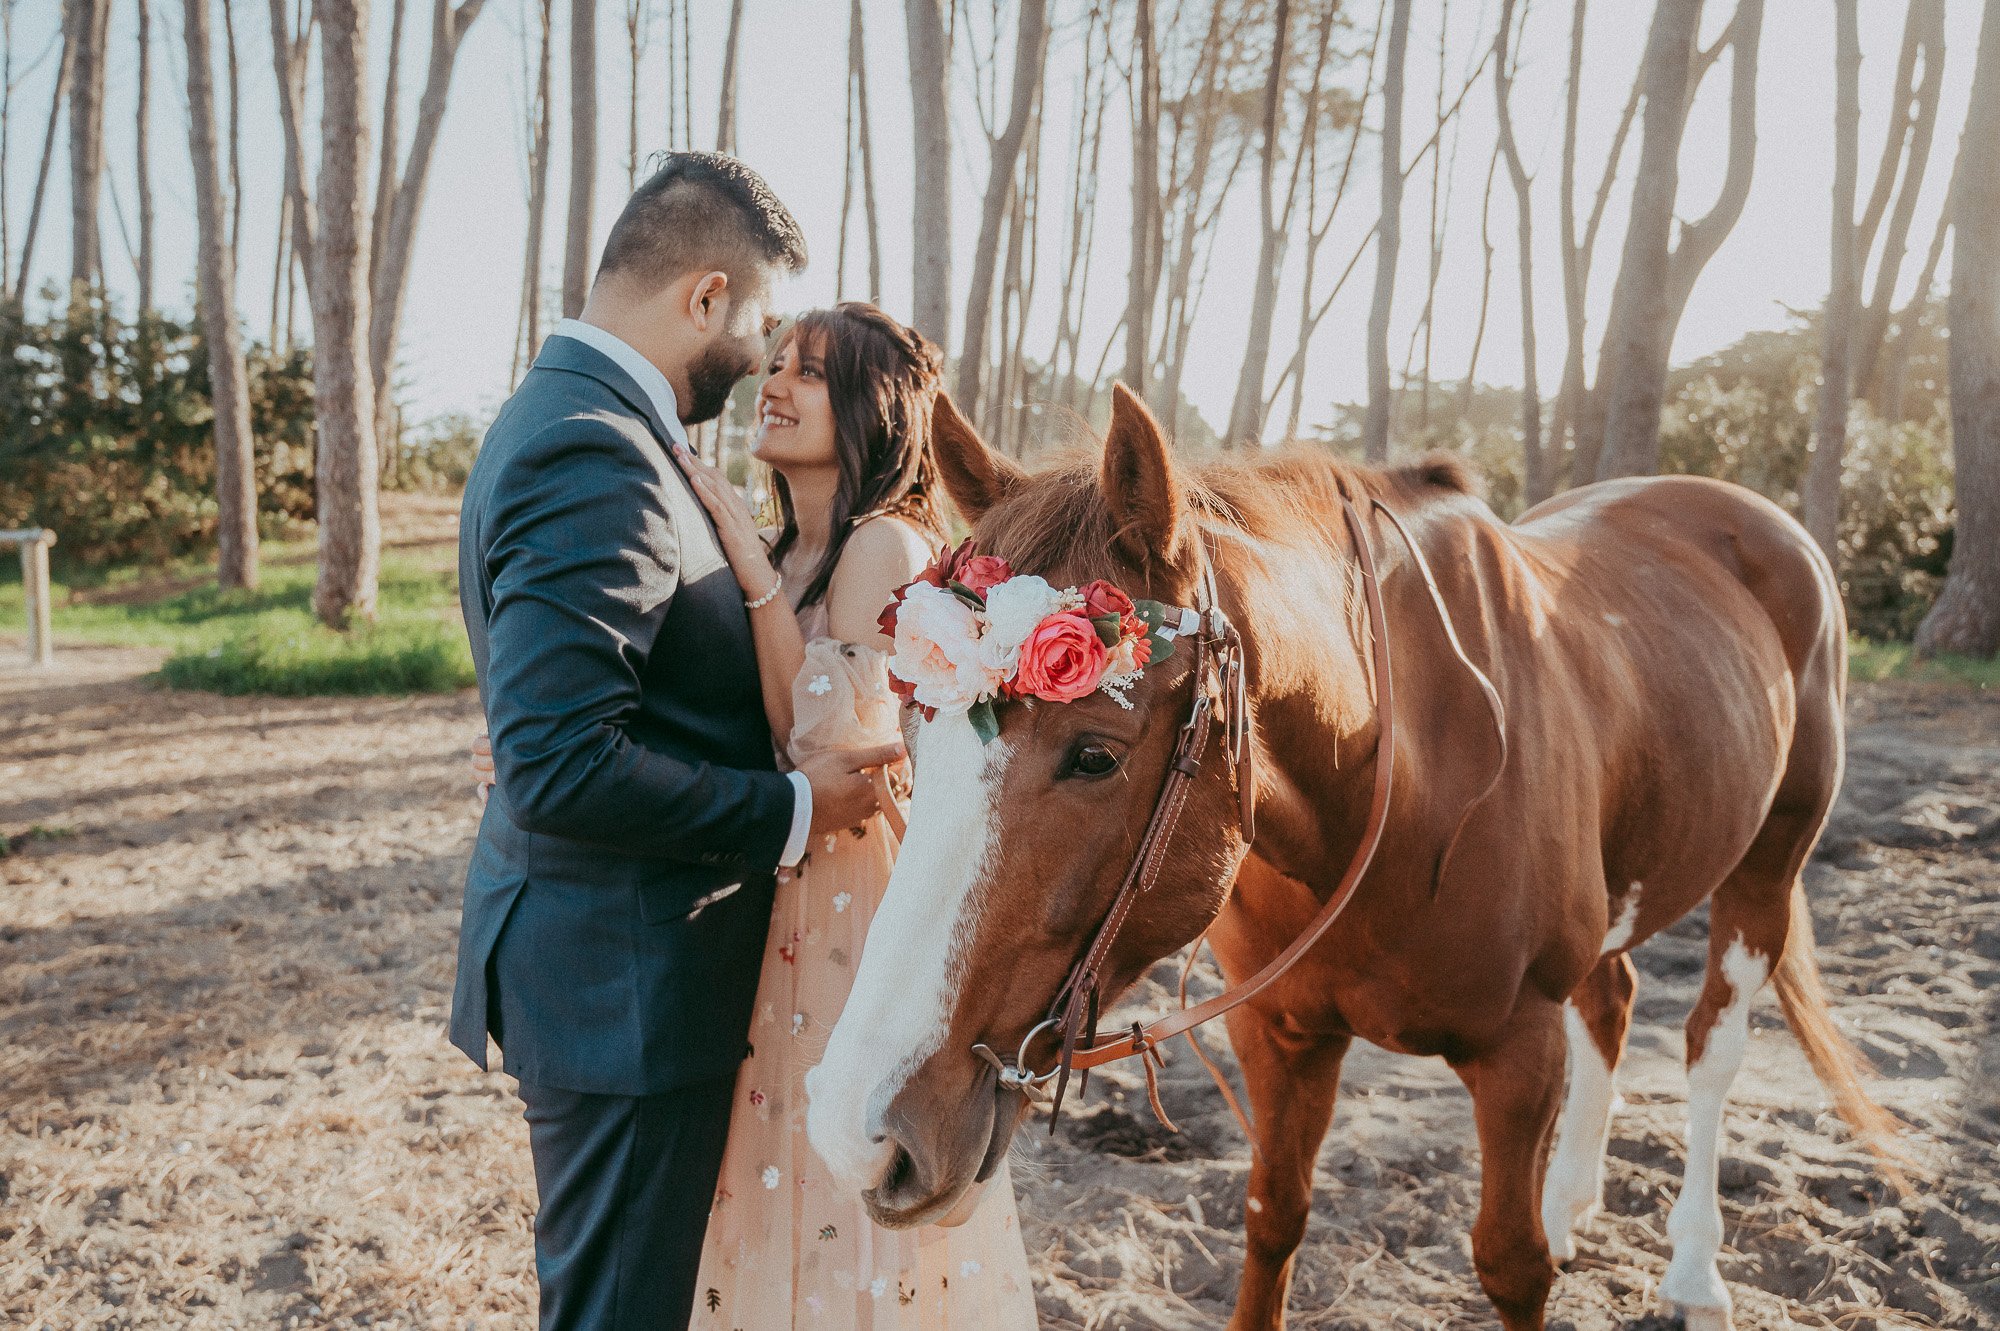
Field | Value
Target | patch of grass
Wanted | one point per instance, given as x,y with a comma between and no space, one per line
267,640
419,657
1869,661
8,845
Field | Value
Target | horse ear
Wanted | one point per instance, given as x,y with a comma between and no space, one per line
1139,483
974,475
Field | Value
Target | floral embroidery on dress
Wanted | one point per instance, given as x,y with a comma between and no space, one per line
757,1099
798,1022
771,1177
879,1286
841,901
821,686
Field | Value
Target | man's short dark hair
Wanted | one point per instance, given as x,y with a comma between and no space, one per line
701,212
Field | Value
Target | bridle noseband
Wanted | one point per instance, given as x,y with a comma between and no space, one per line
1218,646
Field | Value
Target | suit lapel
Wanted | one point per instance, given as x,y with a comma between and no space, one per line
566,353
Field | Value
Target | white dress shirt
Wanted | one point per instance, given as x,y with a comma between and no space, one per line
655,386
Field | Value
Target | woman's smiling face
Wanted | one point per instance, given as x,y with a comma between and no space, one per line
794,413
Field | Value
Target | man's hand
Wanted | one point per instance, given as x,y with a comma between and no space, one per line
482,767
843,786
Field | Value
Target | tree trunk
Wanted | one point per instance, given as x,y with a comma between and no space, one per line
290,57
1889,381
1575,419
1388,238
582,153
1536,483
1821,499
1030,46
1246,414
1966,618
64,73
1924,35
866,142
391,268
1654,278
930,231
350,532
725,115
142,155
86,22
235,130
538,190
385,175
229,381
1146,244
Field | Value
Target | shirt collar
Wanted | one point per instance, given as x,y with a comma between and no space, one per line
643,372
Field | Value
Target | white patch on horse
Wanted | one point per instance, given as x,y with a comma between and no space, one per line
1619,936
1575,1184
1692,1282
906,987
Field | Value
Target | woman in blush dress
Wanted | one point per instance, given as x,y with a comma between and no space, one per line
844,425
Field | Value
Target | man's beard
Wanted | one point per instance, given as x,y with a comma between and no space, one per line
711,378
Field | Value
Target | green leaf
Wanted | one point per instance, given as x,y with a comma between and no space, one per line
1107,627
984,723
1152,612
967,595
1163,647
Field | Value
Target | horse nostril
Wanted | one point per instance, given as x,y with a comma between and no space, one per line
902,1173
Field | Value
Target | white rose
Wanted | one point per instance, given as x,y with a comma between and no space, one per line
1013,608
938,650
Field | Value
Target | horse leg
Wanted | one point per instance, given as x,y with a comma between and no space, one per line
1293,1080
1749,917
1515,1087
1595,1020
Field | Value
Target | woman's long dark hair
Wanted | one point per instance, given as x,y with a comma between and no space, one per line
881,379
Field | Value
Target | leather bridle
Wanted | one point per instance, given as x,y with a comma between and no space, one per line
1218,647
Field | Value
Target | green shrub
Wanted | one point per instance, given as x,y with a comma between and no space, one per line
409,657
105,435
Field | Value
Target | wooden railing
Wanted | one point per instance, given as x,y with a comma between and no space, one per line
35,543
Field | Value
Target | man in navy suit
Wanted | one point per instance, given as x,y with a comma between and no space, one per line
620,887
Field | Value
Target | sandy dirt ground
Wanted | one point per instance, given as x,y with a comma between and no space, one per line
226,942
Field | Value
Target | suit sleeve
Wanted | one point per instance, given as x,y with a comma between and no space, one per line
583,563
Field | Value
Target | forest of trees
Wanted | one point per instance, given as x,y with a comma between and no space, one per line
1287,103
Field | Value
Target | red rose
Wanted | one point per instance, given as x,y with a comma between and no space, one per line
981,572
1100,598
1062,660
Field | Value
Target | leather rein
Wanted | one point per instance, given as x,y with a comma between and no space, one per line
1218,646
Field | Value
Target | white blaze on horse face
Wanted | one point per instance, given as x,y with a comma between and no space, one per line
907,986
1692,1281
1575,1183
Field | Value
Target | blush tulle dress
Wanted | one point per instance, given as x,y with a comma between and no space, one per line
787,1246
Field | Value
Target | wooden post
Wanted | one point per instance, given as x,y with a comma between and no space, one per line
35,543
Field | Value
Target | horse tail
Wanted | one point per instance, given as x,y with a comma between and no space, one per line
1839,1066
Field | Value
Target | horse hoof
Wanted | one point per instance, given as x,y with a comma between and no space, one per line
1701,1319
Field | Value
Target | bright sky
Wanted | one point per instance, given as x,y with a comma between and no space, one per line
459,329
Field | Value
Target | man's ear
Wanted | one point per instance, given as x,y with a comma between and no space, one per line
708,299
974,475
1139,484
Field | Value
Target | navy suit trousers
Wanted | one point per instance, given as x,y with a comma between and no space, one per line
626,1182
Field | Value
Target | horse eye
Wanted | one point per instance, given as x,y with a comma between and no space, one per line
1092,760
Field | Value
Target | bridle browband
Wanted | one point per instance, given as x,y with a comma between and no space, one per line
1218,645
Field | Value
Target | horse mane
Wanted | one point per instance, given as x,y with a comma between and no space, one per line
1059,521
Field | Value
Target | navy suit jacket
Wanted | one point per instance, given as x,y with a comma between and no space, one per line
620,888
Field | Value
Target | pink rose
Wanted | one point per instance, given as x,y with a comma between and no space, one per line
981,572
1062,660
1100,598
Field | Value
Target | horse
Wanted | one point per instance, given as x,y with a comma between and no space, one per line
1624,705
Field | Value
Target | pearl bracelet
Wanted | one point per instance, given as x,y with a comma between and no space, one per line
767,597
